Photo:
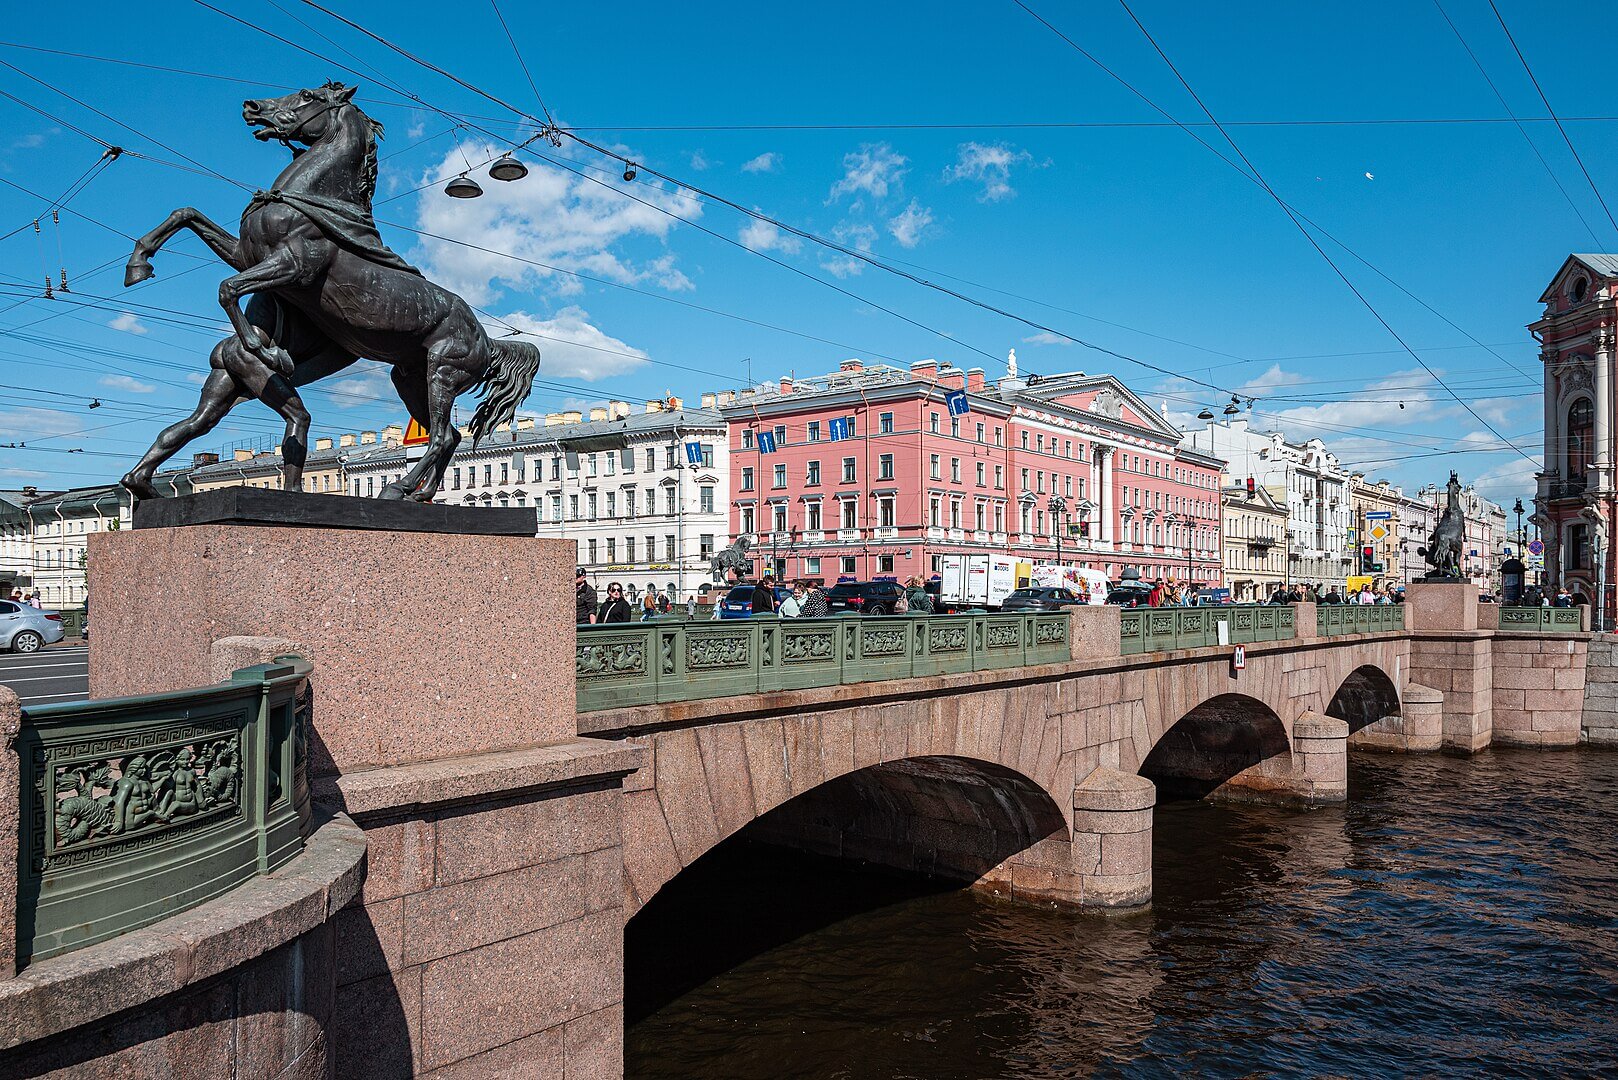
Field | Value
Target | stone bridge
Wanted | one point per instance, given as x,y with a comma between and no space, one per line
479,843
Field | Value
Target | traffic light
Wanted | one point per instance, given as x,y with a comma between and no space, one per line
1250,487
1367,559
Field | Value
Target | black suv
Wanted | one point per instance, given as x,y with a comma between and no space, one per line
865,597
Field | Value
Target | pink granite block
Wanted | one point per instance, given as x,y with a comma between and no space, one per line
837,743
10,818
370,940
867,738
682,789
649,857
491,839
376,1027
399,858
805,767
475,1001
595,1045
730,785
1569,679
537,1057
766,763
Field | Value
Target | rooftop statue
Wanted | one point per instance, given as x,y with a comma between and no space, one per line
324,291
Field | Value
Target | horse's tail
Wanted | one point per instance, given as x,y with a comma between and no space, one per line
509,378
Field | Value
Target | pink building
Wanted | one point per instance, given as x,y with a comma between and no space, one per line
871,476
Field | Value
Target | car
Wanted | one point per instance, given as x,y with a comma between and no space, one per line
1039,599
1125,596
25,629
864,597
738,603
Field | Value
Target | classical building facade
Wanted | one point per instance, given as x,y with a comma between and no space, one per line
1255,542
1574,504
1306,478
868,472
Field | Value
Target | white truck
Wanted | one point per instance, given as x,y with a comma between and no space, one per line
978,581
1090,583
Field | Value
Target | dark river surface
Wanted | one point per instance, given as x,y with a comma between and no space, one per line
1456,917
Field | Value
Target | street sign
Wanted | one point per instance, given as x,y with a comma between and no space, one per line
956,401
1238,658
693,453
1379,531
1536,547
1378,515
837,427
766,442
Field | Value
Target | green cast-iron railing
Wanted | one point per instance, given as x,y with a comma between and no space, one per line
682,660
1559,620
1333,620
136,808
1164,629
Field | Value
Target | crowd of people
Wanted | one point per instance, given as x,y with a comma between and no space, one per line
618,607
32,600
1318,593
807,600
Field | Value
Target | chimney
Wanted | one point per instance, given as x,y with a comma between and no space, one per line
572,417
924,370
951,377
197,461
276,450
242,455
676,404
525,423
851,365
708,401
322,444
345,440
974,378
598,413
617,410
654,406
553,419
367,438
786,384
30,490
727,397
393,433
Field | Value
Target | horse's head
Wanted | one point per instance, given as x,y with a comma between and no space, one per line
304,117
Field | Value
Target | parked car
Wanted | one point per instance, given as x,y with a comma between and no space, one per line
1039,599
738,603
1125,596
27,629
864,597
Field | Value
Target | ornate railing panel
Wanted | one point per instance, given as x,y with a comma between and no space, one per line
134,809
1542,619
1143,630
680,660
1333,620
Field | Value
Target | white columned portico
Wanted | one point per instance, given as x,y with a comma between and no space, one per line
1603,392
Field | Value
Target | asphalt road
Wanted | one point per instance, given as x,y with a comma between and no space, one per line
57,673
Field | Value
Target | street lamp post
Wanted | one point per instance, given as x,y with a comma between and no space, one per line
1057,506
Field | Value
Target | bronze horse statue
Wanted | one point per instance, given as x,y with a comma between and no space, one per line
325,291
1443,550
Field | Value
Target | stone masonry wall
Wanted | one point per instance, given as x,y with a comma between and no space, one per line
1600,727
1538,697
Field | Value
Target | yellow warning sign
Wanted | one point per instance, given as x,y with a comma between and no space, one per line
415,435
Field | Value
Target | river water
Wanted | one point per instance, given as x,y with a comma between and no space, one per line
1456,916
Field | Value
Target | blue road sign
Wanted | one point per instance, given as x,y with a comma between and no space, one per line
766,442
1378,515
838,428
956,401
1536,547
693,453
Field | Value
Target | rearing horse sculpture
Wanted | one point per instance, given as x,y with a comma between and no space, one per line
1443,550
326,291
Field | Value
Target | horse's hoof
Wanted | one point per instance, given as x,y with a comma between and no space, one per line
136,272
391,493
140,489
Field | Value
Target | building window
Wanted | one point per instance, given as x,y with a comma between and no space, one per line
850,512
955,513
612,504
980,433
981,468
627,457
747,438
934,463
629,502
932,512
811,516
811,565
651,458
747,520
668,500
955,470
1581,420
707,455
747,478
705,545
780,476
884,512
999,518
705,498
612,550
977,516
573,507
932,423
999,478
848,470
592,559
778,518
669,459
847,565
884,467
885,423
780,435
884,564
669,551
1025,440
556,508
591,503
814,474
814,432
629,549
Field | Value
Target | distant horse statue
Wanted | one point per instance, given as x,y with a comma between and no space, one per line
326,291
1443,550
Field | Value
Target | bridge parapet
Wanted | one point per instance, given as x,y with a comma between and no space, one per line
1165,629
1332,620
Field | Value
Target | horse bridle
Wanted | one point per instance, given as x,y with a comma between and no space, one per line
286,140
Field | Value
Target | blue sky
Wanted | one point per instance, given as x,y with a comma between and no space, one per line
904,129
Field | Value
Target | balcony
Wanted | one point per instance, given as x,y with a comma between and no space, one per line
813,536
979,536
997,538
885,532
934,532
848,534
1567,489
957,535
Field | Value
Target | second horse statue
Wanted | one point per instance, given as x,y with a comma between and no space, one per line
325,291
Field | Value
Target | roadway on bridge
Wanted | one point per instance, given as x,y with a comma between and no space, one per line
60,673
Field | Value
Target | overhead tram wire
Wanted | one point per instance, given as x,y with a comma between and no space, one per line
1523,131
1216,152
1501,19
529,75
1307,235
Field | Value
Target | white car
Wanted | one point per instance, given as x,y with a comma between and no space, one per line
27,629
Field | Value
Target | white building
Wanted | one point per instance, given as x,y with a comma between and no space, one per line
621,484
1306,478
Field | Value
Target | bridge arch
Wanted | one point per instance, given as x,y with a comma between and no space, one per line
1366,696
1230,745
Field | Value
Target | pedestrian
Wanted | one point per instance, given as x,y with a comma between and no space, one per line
815,605
584,601
33,601
1331,596
792,606
664,605
648,607
614,608
1563,597
1154,598
917,602
1279,595
764,596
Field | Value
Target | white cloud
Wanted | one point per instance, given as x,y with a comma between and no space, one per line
572,347
1512,480
857,235
989,164
127,322
910,224
767,162
550,217
700,162
125,382
363,385
197,377
29,423
763,236
1045,337
23,474
872,169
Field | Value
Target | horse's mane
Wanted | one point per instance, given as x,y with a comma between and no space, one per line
373,136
